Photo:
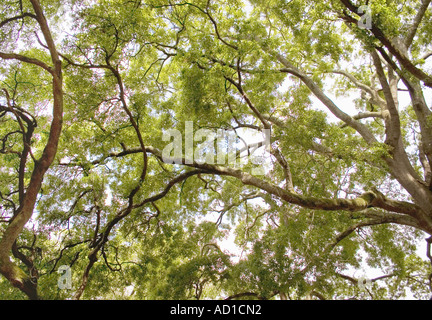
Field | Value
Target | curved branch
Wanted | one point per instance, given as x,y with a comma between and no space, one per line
316,90
21,16
22,58
9,269
391,47
416,23
103,236
356,82
369,199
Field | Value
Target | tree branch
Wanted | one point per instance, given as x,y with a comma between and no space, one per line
21,16
391,47
367,200
12,272
103,236
22,58
393,131
416,23
316,90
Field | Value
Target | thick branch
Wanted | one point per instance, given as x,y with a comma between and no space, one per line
14,274
391,47
22,58
393,131
423,113
316,90
21,16
416,23
368,199
286,168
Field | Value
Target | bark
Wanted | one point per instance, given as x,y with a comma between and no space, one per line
102,239
398,161
317,91
413,214
416,23
12,272
18,278
392,47
370,199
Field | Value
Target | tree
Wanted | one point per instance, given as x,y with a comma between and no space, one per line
332,93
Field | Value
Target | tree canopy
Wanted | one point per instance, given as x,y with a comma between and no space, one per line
301,133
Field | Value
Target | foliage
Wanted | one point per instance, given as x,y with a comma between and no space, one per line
346,189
